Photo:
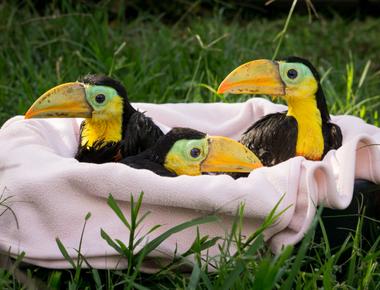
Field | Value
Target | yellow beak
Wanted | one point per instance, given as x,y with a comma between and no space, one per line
255,77
63,101
227,155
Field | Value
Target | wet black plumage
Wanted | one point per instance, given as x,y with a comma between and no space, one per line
273,138
99,152
153,158
139,132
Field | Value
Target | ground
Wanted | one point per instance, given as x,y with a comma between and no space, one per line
184,60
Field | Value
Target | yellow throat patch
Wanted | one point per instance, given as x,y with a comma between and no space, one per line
105,124
310,142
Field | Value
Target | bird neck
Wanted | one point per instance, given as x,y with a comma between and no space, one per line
310,143
104,130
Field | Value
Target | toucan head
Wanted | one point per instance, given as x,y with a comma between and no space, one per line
190,152
95,97
292,79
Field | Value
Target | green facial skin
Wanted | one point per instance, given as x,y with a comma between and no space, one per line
184,158
302,72
93,91
183,148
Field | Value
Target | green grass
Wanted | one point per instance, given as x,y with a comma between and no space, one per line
184,62
177,63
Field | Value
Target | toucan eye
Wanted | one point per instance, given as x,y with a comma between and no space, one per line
195,152
292,73
100,98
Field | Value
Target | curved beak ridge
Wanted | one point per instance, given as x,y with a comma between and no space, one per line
255,77
227,155
64,101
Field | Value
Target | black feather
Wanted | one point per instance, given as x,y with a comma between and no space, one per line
144,161
273,138
141,134
99,152
332,136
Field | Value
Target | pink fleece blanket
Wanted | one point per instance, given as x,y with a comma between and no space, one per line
51,192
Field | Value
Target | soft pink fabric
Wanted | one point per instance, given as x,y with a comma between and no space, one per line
51,192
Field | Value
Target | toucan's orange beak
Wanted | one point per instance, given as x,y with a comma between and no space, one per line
255,77
63,101
227,155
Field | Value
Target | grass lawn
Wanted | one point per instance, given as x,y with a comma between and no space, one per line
184,61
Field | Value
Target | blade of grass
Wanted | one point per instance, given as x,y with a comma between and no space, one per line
240,266
301,253
194,277
152,245
113,205
280,36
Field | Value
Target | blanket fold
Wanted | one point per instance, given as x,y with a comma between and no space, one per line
50,192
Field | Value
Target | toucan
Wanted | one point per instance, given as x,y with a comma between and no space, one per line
185,151
304,129
112,128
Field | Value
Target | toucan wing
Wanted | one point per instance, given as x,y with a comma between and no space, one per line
333,137
273,138
142,161
141,133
